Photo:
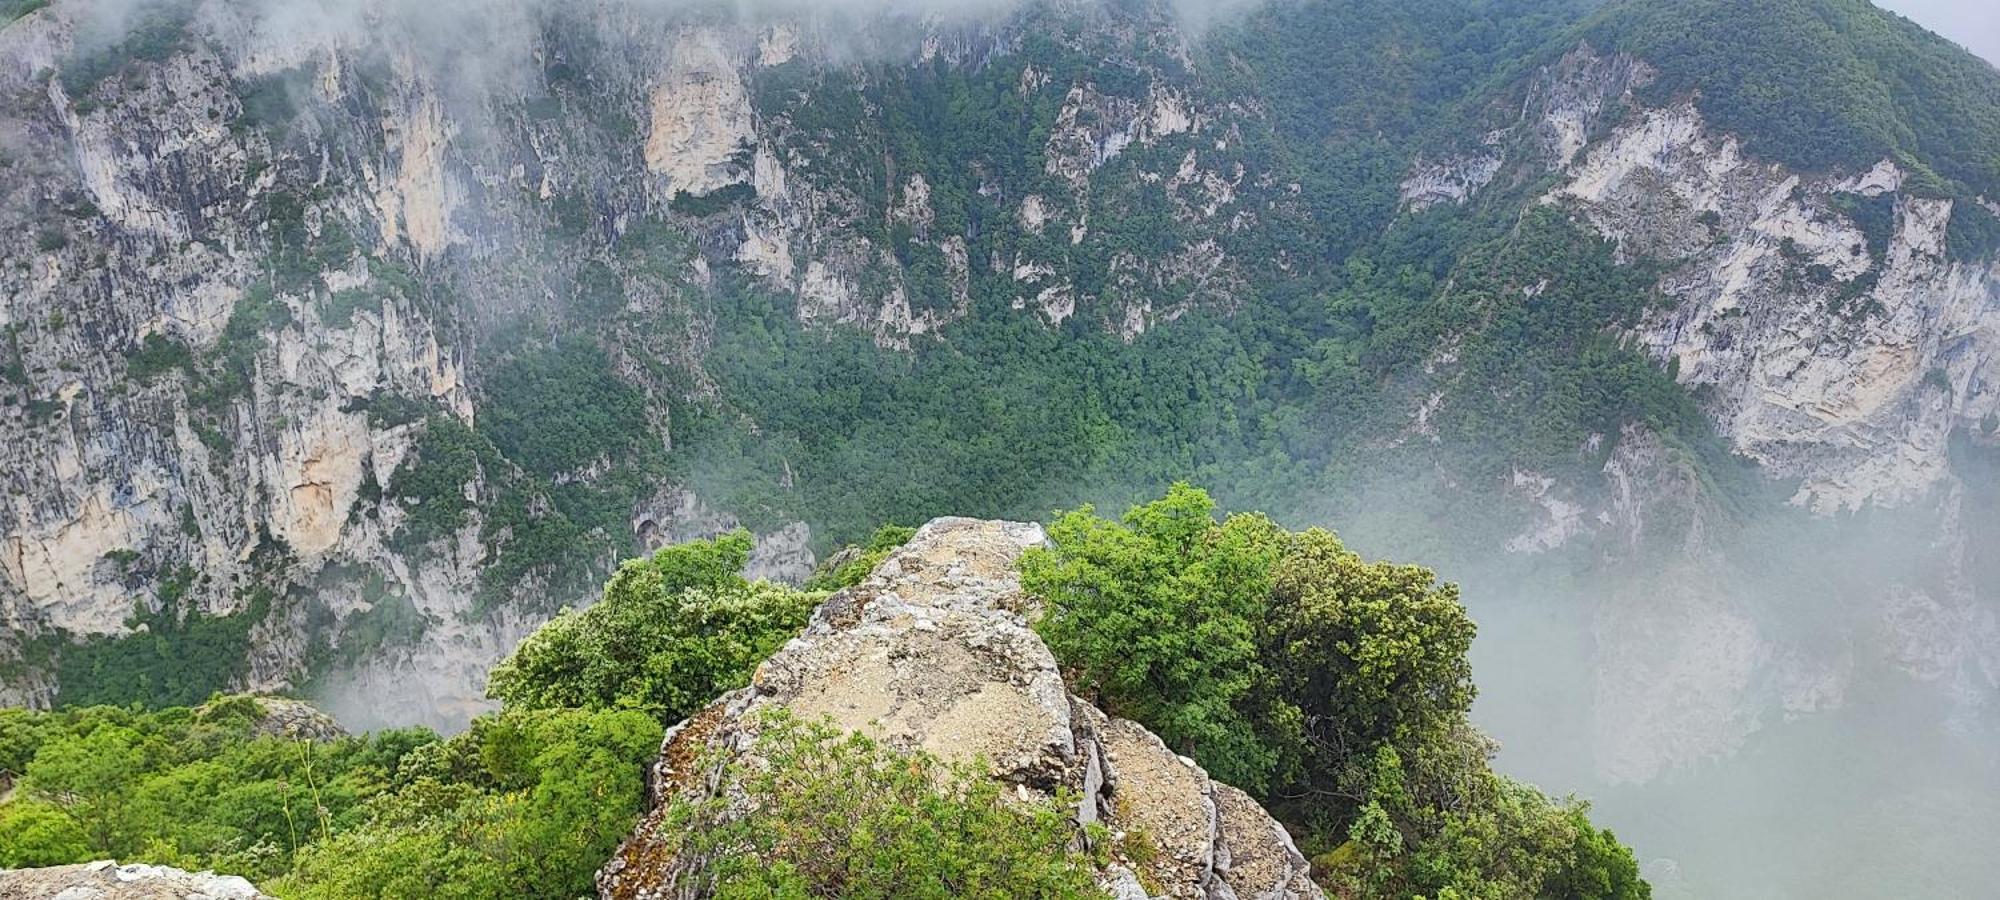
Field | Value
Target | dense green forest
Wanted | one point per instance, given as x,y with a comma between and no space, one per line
1823,83
1334,688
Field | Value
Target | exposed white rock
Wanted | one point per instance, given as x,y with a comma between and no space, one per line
766,252
107,880
1034,214
1451,180
1566,103
823,294
416,204
1826,363
779,44
1564,519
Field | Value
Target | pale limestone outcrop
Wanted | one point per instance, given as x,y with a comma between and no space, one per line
107,880
701,118
934,652
1830,361
416,202
325,150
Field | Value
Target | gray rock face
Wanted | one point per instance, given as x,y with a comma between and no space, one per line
154,204
934,652
107,880
1831,355
294,720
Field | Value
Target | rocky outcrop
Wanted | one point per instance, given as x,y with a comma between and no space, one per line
1836,351
107,880
934,652
329,179
1825,324
283,717
1834,356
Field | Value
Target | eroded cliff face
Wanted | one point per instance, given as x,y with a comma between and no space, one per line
934,652
267,214
1831,355
1830,332
1835,339
254,263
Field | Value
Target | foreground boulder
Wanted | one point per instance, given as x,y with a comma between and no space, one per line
933,652
107,880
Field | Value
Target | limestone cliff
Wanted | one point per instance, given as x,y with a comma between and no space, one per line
254,264
1831,336
1834,338
934,652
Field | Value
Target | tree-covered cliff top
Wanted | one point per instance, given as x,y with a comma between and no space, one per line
1821,83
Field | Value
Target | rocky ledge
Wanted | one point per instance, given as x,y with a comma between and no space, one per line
933,652
107,880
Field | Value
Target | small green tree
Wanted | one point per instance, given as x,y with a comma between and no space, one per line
672,633
1156,615
827,814
525,804
89,778
1336,688
34,833
1369,655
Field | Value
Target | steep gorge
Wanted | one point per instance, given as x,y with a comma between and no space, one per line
345,354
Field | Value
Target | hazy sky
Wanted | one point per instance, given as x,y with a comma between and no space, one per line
1974,23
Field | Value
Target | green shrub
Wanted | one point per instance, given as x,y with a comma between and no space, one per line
157,355
718,200
557,409
1156,615
525,804
1334,688
672,632
839,815
178,658
180,786
431,485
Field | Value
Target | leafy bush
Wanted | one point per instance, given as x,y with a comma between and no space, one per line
179,657
431,486
157,355
525,804
1973,234
718,200
1156,616
839,815
557,409
672,633
189,787
1335,688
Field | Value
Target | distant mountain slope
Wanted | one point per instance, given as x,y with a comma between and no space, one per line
1822,83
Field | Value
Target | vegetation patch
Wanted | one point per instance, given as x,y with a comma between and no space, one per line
175,657
1335,689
